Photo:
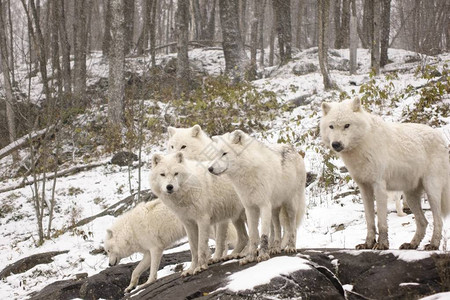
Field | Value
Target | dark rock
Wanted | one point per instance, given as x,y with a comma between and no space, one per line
304,68
310,178
300,101
373,274
29,262
123,158
343,170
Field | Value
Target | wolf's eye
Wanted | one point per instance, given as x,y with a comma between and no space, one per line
182,147
225,153
331,127
171,146
175,174
163,175
346,125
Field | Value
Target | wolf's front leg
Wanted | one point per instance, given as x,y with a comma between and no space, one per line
141,267
192,233
369,212
266,221
275,232
381,198
203,250
242,238
252,221
220,237
156,254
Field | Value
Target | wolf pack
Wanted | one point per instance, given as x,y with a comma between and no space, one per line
250,196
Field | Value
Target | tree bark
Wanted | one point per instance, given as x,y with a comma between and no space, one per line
385,30
182,31
323,19
107,30
261,11
129,24
116,81
80,50
375,55
282,10
236,61
65,49
7,80
353,40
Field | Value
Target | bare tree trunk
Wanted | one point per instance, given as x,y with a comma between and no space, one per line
367,28
116,81
353,41
272,39
7,81
298,38
56,67
152,31
254,35
323,19
236,61
65,49
182,31
282,10
385,30
375,57
11,45
342,20
261,11
107,30
80,48
242,19
129,24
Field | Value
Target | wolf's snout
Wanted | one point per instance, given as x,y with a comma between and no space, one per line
337,146
211,170
169,188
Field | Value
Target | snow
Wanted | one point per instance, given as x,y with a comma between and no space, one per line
438,296
263,272
335,214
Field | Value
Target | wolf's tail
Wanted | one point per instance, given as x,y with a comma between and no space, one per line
445,200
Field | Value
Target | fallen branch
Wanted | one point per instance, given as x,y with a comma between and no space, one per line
24,141
66,172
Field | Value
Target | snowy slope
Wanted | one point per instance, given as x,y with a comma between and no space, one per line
335,219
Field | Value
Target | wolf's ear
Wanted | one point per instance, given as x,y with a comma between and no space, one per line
196,130
180,157
156,159
356,104
325,108
237,137
109,234
171,130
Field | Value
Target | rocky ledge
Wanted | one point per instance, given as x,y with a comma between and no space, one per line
321,274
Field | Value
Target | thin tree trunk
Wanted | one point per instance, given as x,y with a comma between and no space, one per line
261,11
182,26
107,30
152,31
7,80
385,30
116,65
65,49
375,57
353,41
236,61
56,67
129,25
323,20
80,49
298,38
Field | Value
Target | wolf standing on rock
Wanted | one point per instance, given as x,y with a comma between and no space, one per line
269,180
382,157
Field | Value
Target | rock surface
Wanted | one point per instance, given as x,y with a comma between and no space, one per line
397,274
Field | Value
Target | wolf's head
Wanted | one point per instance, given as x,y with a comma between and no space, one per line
230,148
191,141
168,173
343,125
116,248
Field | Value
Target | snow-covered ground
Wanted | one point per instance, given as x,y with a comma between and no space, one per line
335,218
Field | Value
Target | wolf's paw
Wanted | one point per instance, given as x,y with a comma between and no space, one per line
290,249
381,246
214,260
144,284
248,259
275,250
429,247
200,269
408,246
188,272
263,256
366,245
129,289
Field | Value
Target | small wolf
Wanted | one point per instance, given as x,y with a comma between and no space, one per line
148,228
199,200
381,157
269,180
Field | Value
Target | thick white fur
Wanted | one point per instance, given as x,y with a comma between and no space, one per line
149,228
199,199
383,156
268,180
196,145
396,196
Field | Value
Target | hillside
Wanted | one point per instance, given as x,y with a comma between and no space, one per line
413,87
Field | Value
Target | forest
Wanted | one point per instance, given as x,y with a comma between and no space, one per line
88,89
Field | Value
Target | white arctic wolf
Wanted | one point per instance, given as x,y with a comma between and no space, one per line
383,156
267,179
195,145
148,228
199,200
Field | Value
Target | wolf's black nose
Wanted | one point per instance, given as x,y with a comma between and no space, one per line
110,264
169,187
337,146
210,169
